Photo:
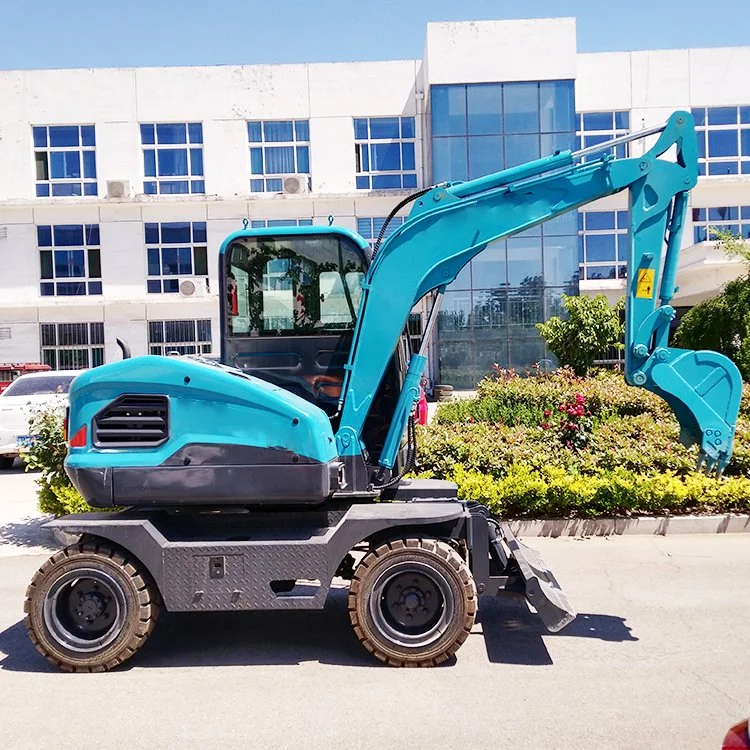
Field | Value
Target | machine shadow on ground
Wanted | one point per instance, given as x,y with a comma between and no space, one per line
512,634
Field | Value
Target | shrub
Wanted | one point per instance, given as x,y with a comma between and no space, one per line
592,326
55,492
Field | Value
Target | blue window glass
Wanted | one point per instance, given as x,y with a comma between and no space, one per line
196,161
745,115
699,115
169,261
152,234
278,131
89,164
303,159
557,106
521,106
600,220
722,115
524,262
362,182
489,269
622,120
723,213
600,247
598,121
623,220
199,231
147,135
184,260
566,223
257,186
149,188
745,142
407,127
88,137
153,287
553,142
175,232
302,130
47,290
40,137
448,110
170,285
746,167
89,188
149,162
386,181
450,159
171,133
254,132
520,149
384,128
92,234
721,168
95,287
407,156
64,135
722,143
360,129
701,144
485,109
623,246
65,164
279,160
69,263
172,162
42,191
44,236
409,180
560,260
66,189
485,155
256,161
195,132
745,212
385,156
68,235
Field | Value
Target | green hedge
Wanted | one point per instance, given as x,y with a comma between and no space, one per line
511,448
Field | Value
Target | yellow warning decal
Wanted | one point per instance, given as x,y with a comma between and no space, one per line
645,286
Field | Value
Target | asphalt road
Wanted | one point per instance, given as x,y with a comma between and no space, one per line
659,658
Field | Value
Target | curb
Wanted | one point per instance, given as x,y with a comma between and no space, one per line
653,525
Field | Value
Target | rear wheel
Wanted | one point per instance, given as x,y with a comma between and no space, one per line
90,607
6,462
412,602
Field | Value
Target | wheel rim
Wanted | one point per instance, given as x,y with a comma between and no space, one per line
84,610
412,604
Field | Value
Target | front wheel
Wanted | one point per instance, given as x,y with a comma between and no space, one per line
90,607
412,602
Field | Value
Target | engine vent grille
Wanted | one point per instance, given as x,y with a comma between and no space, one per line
133,422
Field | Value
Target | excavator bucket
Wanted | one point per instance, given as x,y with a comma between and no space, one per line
541,587
704,390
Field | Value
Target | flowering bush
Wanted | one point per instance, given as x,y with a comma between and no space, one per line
561,445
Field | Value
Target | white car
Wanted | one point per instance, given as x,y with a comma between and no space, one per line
20,400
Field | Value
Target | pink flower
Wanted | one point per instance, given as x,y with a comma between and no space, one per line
545,426
572,426
580,398
547,412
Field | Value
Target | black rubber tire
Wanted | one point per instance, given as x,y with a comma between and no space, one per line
6,462
140,595
442,559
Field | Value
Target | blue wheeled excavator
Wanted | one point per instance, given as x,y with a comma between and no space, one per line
252,482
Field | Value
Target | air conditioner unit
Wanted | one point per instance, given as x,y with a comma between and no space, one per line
295,184
195,286
118,188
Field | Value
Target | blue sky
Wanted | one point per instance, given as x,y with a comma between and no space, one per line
55,34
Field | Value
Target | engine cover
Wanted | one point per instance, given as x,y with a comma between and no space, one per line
179,430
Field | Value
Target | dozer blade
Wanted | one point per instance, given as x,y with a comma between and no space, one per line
542,589
704,390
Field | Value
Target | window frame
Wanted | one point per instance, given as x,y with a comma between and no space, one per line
702,227
195,228
592,136
91,283
620,229
265,180
93,346
88,185
714,166
365,149
200,344
194,177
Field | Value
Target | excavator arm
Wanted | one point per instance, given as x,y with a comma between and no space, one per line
452,223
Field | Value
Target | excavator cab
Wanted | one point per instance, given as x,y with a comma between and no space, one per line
289,300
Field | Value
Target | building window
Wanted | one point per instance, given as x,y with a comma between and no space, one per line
175,249
275,223
734,219
181,336
65,160
72,346
594,128
384,149
69,259
603,244
277,147
723,140
172,158
370,227
485,127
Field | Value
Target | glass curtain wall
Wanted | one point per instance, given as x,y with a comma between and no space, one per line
490,311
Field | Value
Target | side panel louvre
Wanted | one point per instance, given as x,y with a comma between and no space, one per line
133,421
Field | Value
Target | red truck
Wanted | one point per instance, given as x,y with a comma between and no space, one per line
9,372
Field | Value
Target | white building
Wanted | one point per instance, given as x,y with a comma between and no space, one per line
93,232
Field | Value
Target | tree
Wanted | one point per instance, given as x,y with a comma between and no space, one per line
592,327
722,324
